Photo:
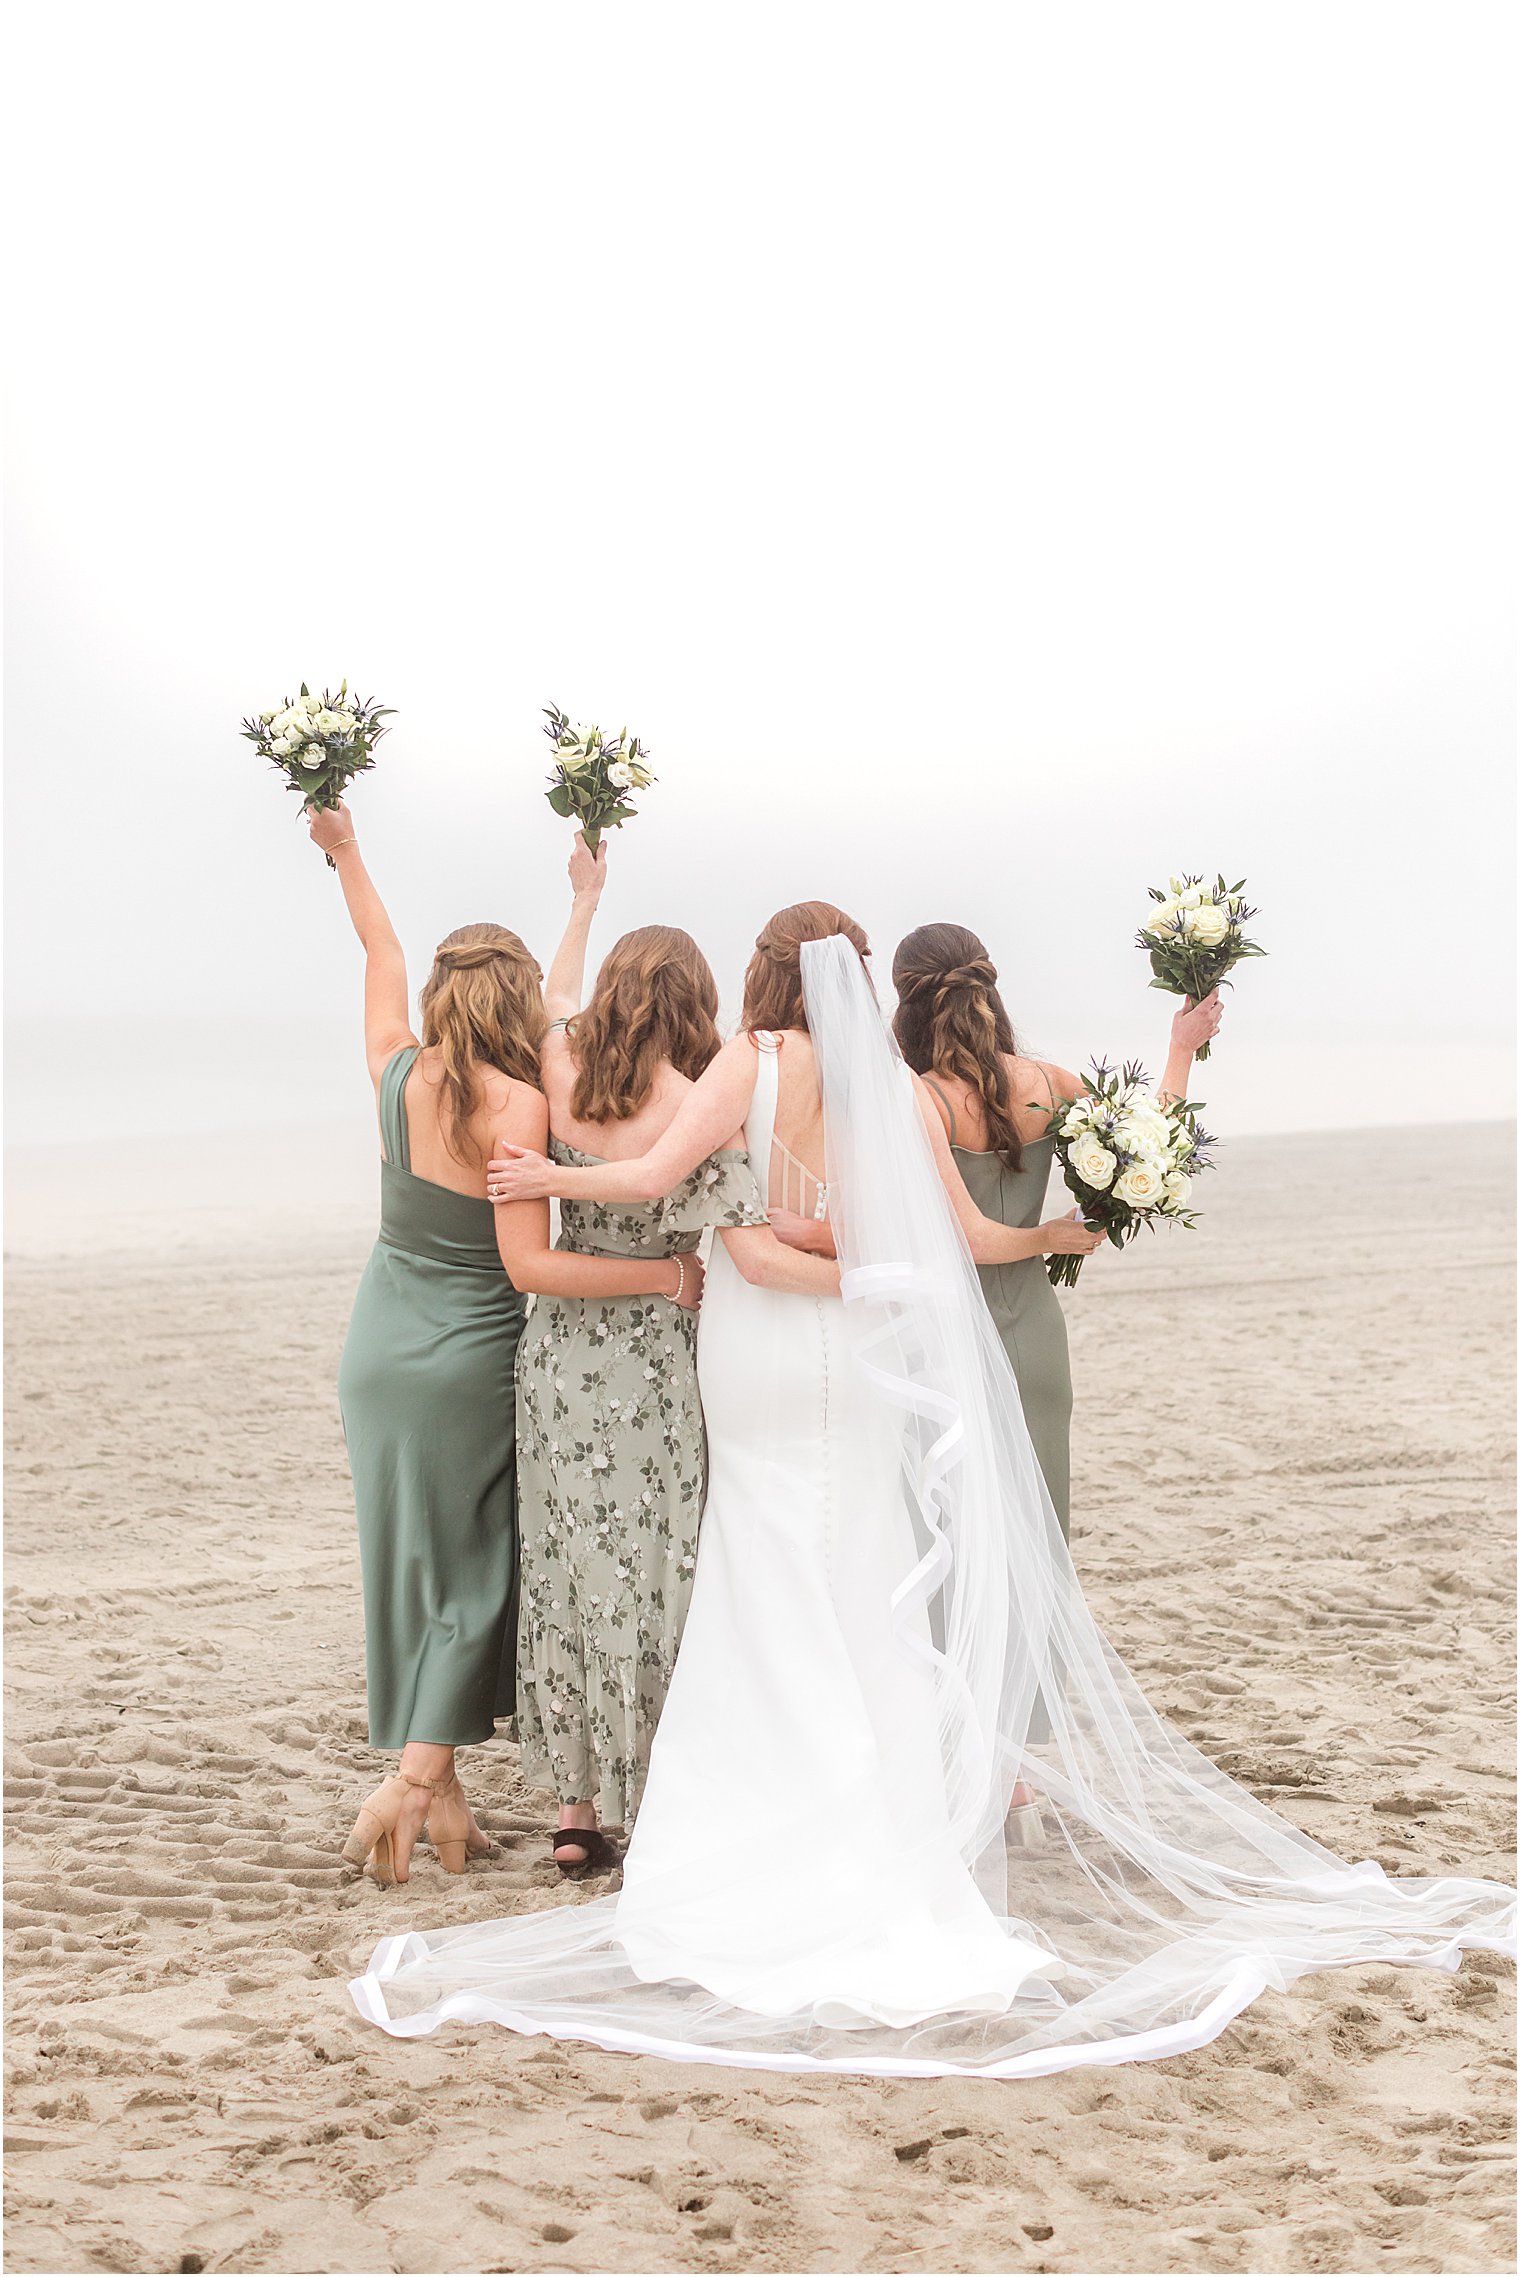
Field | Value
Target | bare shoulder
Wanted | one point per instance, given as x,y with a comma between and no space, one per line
517,1108
1038,1082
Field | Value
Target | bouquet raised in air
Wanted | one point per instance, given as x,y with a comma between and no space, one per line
1195,936
1129,1157
319,743
593,773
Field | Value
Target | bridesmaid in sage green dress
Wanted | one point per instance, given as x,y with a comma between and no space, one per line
426,1383
953,1029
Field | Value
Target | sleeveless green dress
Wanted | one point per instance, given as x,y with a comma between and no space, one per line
1025,1306
426,1386
1029,1319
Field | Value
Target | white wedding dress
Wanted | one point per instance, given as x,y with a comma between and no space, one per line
821,1876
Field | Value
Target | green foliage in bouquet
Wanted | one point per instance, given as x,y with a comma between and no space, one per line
593,773
1195,936
319,743
1128,1155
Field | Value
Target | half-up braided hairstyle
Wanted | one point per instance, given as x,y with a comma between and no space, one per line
950,1020
482,1004
773,995
655,999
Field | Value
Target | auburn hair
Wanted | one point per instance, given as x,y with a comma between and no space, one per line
482,1005
773,995
655,999
950,1020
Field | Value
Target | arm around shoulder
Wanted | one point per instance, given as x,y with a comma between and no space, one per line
533,1265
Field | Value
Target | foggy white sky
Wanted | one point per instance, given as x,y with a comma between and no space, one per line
993,455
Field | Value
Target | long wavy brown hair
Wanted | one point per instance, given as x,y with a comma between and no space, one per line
950,1020
482,1006
773,984
655,999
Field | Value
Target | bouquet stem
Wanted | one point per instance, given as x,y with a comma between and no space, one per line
1063,1271
592,834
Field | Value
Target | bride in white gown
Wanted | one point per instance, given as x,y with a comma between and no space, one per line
823,1875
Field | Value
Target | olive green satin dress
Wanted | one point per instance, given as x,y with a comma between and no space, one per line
1029,1320
1025,1306
427,1391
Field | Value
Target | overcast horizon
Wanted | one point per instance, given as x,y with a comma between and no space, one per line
1009,458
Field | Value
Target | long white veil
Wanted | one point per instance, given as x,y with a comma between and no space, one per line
1167,1897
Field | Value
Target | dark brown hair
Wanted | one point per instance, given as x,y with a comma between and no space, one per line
950,1020
773,984
482,1005
655,999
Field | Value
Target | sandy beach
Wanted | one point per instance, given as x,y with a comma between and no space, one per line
1294,1517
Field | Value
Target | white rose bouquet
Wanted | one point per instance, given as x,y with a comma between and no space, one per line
1128,1155
319,743
593,773
1195,936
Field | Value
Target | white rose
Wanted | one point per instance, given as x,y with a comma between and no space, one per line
346,723
1208,924
1190,896
1161,916
1176,1188
1140,1186
327,723
1143,1135
1076,1120
266,719
1092,1162
620,774
311,705
280,747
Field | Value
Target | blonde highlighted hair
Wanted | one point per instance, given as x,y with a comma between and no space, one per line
655,999
482,1006
950,1020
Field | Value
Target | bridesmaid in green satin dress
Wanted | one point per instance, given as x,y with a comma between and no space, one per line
953,1029
426,1383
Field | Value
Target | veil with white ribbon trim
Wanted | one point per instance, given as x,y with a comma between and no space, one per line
1166,1897
1169,1888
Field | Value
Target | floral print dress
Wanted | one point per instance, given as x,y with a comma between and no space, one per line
612,1469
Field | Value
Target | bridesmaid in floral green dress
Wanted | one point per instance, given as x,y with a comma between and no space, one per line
612,1455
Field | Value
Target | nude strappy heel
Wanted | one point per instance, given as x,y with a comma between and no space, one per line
1025,1827
451,1850
372,1842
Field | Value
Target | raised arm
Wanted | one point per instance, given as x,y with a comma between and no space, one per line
564,990
989,1242
386,1025
522,1236
1195,1024
713,1109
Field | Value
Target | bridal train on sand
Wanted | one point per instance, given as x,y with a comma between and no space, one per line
886,1636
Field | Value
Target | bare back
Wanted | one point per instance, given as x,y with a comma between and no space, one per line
797,1174
427,1128
1034,1085
611,1141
